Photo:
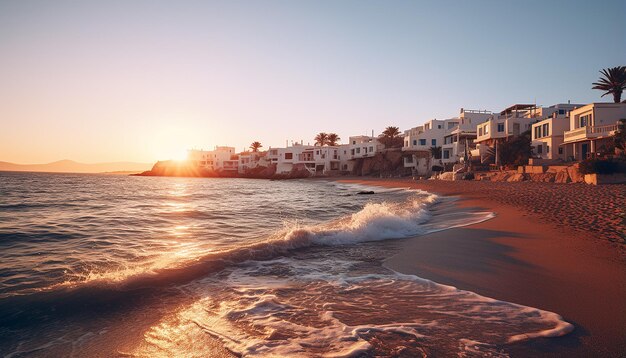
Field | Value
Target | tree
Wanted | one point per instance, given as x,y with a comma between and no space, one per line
613,81
516,150
255,146
332,139
391,137
619,139
435,152
321,139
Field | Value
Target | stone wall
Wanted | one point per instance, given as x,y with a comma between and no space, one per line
555,174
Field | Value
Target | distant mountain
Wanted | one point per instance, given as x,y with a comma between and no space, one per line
70,166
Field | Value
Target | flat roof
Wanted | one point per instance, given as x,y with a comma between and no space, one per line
517,107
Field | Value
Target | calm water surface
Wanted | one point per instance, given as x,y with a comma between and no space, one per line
95,265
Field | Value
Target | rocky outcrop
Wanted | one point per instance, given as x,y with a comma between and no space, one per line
387,162
517,177
554,174
543,177
574,173
562,177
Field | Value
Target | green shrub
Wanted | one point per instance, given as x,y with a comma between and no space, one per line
596,166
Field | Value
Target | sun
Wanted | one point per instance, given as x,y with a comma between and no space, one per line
179,155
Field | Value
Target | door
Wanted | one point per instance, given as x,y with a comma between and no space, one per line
584,150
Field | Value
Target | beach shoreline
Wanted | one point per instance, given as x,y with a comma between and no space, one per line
526,258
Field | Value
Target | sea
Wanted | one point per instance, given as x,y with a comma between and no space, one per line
125,266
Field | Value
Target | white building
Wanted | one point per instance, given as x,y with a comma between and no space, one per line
590,128
462,136
548,132
251,160
418,142
221,158
316,160
511,122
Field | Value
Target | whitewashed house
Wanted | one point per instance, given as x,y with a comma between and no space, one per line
462,136
547,134
590,128
511,122
419,140
221,158
251,160
315,159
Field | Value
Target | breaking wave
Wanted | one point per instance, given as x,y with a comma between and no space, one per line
374,222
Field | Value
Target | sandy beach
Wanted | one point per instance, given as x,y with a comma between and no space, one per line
554,247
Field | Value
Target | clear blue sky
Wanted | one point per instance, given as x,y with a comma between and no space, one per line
145,80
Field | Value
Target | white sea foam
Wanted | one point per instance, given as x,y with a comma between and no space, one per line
375,221
323,310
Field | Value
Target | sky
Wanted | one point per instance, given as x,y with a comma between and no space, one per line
147,80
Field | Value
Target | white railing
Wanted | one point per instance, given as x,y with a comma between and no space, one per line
607,129
589,132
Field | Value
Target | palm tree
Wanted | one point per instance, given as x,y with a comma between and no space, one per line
255,146
390,137
613,81
332,139
321,139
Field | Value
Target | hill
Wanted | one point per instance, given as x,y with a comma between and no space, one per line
70,166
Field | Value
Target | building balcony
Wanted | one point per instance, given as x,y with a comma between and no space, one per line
589,132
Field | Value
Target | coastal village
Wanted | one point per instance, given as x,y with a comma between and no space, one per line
563,142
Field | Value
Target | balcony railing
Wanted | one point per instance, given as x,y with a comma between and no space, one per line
589,132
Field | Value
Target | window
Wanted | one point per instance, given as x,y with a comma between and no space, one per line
439,126
537,133
352,151
500,127
354,142
486,129
539,148
446,154
546,130
547,149
433,142
422,141
358,150
414,141
288,155
584,120
560,150
480,131
561,111
371,149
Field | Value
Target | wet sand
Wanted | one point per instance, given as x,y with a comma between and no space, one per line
549,257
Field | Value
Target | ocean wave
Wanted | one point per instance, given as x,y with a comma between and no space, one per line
314,312
375,221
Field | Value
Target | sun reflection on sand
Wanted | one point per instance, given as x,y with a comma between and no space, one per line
179,334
